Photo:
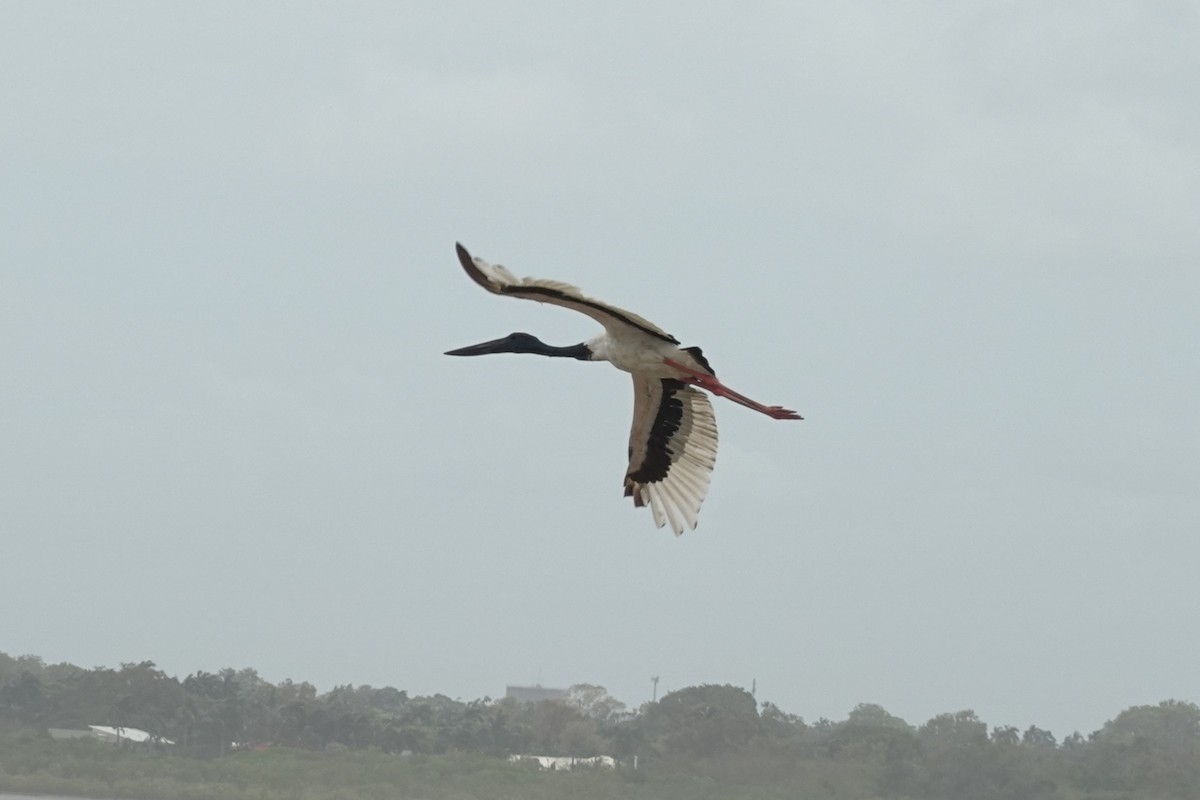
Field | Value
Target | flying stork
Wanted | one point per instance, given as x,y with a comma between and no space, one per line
673,443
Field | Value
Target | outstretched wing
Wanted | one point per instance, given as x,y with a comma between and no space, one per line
498,280
672,449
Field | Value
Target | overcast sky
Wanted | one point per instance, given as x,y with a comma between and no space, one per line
962,241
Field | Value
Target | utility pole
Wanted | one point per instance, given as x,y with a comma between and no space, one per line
654,683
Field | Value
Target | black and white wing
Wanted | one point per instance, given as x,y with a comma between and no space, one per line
498,280
672,449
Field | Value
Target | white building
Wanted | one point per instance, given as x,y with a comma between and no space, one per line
121,734
567,762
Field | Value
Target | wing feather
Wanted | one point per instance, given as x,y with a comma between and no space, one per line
672,450
498,280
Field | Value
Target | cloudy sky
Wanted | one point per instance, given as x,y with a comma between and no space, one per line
962,242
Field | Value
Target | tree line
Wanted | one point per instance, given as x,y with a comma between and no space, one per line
1147,751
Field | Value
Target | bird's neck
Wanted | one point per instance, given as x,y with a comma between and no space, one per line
579,351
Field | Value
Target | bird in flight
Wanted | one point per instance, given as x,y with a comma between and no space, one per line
673,442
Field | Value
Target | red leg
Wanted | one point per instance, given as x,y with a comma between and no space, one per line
713,385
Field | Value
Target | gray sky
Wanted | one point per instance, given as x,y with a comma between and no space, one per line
963,243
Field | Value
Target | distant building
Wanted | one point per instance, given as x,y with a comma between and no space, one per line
119,734
565,762
106,734
533,694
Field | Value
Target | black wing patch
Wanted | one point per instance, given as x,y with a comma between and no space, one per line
657,460
699,356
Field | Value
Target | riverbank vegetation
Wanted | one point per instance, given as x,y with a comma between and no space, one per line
238,736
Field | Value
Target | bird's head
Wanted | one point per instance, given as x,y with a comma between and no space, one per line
522,343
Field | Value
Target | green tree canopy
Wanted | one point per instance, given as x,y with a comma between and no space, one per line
704,720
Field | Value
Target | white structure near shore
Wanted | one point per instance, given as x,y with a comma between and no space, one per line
566,762
111,735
